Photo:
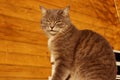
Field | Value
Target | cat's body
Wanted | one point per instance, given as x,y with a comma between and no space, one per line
77,54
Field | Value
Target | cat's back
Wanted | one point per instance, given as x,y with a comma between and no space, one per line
94,56
94,41
92,44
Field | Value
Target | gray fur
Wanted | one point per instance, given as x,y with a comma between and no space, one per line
77,54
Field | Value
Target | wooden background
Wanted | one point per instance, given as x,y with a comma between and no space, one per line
23,45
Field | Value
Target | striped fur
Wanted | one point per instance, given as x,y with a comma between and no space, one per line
77,54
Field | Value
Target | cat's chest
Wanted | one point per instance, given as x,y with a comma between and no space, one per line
51,47
51,43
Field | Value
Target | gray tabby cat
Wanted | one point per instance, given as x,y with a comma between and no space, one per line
77,54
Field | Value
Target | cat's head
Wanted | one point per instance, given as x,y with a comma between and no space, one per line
55,21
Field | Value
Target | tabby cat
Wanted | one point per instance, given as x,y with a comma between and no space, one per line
76,54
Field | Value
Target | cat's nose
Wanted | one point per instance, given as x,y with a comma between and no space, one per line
51,27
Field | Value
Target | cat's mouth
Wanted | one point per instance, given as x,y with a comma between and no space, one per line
53,32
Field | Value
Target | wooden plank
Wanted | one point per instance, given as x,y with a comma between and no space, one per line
20,24
19,59
10,33
82,26
87,19
18,11
23,48
14,78
22,72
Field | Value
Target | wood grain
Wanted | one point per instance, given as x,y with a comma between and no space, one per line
9,33
19,59
16,78
23,48
23,45
24,71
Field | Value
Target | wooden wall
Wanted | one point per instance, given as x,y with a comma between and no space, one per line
23,45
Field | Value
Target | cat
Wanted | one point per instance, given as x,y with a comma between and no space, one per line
76,54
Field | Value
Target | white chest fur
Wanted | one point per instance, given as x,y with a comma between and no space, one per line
52,59
50,42
50,46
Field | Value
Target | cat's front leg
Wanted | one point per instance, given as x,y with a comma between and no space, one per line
49,78
53,70
61,72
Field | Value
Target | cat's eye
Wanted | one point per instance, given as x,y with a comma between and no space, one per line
58,22
47,21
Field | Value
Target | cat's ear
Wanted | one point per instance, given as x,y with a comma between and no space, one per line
66,10
43,10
